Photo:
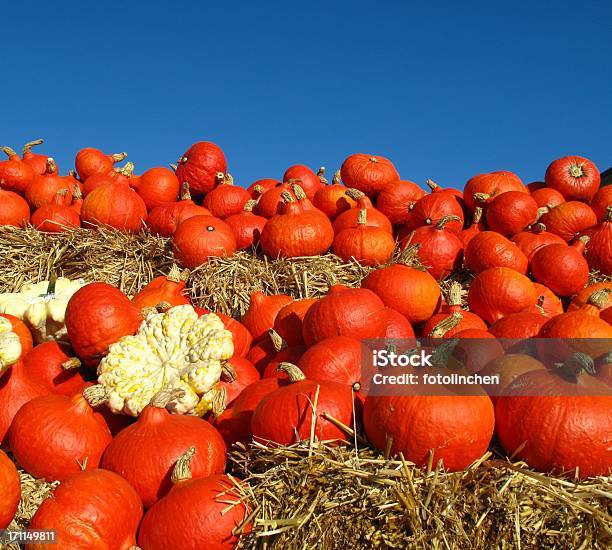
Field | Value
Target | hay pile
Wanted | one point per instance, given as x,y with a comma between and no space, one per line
316,496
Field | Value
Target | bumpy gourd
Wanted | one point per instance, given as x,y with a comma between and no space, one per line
10,346
175,349
42,307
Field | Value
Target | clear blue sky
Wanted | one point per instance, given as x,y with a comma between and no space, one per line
445,89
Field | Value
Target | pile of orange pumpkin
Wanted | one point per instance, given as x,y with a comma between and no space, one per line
158,479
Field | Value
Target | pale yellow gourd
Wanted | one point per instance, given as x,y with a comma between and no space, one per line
174,349
10,346
42,306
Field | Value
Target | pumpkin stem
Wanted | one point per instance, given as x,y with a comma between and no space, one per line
321,176
95,395
362,217
443,352
118,157
51,166
607,358
599,298
127,170
173,166
163,307
292,371
278,341
62,192
477,215
432,184
286,197
574,365
250,205
446,324
219,401
446,219
373,159
228,373
608,216
51,285
576,170
77,194
72,363
354,194
258,189
540,304
30,144
163,397
185,194
298,191
454,294
541,211
336,179
481,197
538,227
9,152
182,470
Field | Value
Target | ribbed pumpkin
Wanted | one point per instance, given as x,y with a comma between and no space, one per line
350,218
523,324
370,174
271,201
56,217
332,199
246,226
158,186
601,201
397,325
297,231
457,428
511,212
98,315
509,367
55,436
561,268
257,188
163,220
14,210
145,452
583,297
93,509
123,174
439,250
413,293
287,354
90,161
37,162
286,415
201,512
366,244
432,208
599,248
16,389
11,490
569,219
576,178
262,312
355,312
165,288
15,175
554,422
547,197
200,165
305,178
435,188
491,184
238,373
226,199
115,205
490,249
453,319
77,200
548,302
477,226
289,320
334,359
53,365
500,291
531,241
43,188
268,349
396,200
201,237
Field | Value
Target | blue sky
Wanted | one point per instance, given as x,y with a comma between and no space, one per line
444,89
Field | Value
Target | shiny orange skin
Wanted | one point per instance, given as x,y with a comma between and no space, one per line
161,289
548,300
394,201
430,209
55,436
44,364
334,359
511,212
37,162
457,428
530,242
561,268
477,226
332,200
115,205
92,510
195,511
350,218
260,186
97,316
355,312
11,490
574,187
114,176
56,217
285,415
493,184
368,173
15,175
308,180
269,366
568,219
145,452
288,322
563,426
601,201
163,220
226,200
523,324
43,188
490,249
599,248
368,245
469,321
500,291
247,228
582,298
200,165
413,293
201,237
398,326
246,374
240,334
90,161
21,330
16,389
262,312
158,186
270,202
547,197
